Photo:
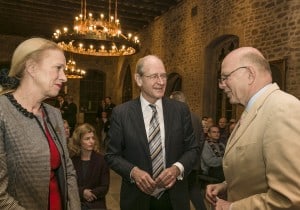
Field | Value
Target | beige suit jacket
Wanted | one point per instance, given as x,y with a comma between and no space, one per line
261,162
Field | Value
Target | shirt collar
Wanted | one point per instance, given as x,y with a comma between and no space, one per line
145,103
255,96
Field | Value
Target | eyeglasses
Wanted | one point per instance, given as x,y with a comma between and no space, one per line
226,76
155,77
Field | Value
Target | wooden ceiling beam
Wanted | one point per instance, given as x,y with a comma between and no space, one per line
44,16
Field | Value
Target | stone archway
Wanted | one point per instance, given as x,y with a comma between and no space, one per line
215,103
174,83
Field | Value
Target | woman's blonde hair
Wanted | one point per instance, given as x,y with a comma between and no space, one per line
32,48
75,142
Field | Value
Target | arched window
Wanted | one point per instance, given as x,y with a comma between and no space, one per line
92,90
173,83
215,102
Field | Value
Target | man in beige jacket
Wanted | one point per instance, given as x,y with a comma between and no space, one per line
260,163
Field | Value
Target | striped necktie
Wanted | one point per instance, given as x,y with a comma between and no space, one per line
155,144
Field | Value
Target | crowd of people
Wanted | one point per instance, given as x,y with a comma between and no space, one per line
157,145
68,109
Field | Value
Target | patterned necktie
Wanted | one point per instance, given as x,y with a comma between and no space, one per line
155,145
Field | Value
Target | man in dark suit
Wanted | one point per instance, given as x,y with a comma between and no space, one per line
71,113
62,105
128,151
108,106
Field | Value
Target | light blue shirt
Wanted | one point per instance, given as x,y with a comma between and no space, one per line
255,96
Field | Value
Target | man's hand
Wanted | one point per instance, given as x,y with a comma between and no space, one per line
222,204
167,177
213,190
143,180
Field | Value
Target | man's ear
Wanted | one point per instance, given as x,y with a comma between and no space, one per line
138,80
252,75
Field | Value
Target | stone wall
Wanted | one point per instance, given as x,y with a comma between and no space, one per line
7,46
180,37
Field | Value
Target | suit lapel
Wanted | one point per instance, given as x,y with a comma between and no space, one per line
138,123
167,112
240,129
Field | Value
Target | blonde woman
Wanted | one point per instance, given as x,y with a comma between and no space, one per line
35,169
92,171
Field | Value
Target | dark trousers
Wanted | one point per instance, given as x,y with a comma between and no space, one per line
195,191
163,203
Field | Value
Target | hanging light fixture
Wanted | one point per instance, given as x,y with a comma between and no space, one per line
97,36
72,72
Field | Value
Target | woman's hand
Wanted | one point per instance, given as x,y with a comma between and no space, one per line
88,195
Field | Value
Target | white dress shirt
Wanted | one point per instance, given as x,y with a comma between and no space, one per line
147,114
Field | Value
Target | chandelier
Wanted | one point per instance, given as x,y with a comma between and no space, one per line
72,72
97,36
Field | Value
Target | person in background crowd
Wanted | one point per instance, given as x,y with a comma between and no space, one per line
204,120
71,113
232,120
36,171
260,165
100,109
209,122
92,171
194,185
205,130
108,106
223,126
62,105
67,130
103,125
231,128
212,154
152,144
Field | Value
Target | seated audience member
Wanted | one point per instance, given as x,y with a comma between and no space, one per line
67,129
92,171
205,130
204,120
231,127
212,154
223,126
232,120
210,121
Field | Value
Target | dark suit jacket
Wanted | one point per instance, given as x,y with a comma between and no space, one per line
71,114
97,179
63,108
128,147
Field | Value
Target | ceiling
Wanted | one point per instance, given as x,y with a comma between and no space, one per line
42,17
